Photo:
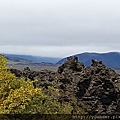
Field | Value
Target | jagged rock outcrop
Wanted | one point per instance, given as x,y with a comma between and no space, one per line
96,86
100,89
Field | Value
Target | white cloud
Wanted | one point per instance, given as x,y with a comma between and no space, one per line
59,24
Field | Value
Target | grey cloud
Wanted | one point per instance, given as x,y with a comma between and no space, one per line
60,23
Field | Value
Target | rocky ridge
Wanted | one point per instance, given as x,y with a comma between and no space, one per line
96,86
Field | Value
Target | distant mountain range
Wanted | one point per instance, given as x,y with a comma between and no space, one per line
111,59
31,59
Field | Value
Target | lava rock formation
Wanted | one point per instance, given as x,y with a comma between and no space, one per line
96,86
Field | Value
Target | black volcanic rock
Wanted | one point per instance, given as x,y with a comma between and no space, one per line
71,64
96,86
17,73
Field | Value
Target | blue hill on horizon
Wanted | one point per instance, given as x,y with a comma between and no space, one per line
110,59
33,59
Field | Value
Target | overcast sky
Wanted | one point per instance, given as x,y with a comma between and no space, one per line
59,28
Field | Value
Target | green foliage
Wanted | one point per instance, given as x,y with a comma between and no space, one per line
4,73
33,101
